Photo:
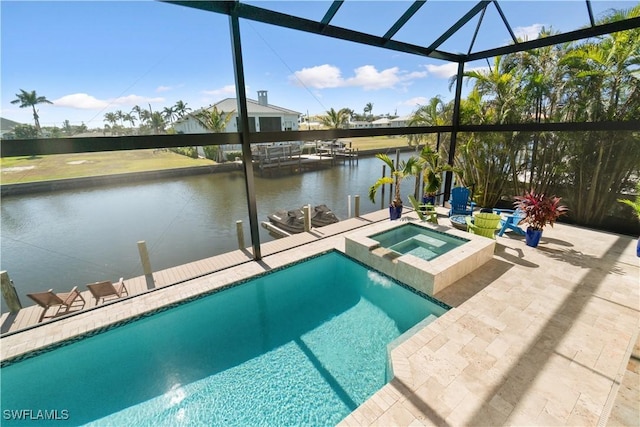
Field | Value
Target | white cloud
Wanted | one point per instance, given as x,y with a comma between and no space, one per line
135,100
446,71
371,79
319,77
367,77
528,33
163,88
415,75
414,102
228,90
83,101
443,71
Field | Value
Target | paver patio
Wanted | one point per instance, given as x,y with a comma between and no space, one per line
538,336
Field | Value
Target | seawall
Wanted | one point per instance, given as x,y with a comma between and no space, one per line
123,178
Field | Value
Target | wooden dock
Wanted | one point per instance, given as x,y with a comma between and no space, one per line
28,316
288,159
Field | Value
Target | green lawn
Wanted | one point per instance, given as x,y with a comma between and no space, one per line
59,166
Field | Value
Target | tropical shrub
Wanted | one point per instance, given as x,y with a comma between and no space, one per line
231,155
186,151
539,209
211,152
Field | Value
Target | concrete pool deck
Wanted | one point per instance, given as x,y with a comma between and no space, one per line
536,336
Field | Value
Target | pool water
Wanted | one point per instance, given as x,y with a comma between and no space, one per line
418,241
302,345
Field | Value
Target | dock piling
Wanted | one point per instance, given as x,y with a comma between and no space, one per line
9,293
307,217
240,234
356,202
146,264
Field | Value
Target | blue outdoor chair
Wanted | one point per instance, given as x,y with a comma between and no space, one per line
511,221
460,202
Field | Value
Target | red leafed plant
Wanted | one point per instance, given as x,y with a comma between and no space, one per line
539,209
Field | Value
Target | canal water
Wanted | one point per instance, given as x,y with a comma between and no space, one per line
70,238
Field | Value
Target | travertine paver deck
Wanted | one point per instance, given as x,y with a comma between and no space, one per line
536,337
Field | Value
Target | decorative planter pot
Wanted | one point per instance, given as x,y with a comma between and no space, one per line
395,212
429,200
532,237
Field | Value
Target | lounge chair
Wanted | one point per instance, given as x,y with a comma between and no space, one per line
460,202
106,289
483,224
425,212
64,301
511,221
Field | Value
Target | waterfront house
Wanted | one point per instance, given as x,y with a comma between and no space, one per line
263,117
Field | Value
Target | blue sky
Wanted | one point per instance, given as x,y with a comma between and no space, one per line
91,57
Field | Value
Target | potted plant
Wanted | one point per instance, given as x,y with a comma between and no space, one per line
636,208
539,211
403,170
432,173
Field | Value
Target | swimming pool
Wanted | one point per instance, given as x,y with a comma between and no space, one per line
302,345
422,242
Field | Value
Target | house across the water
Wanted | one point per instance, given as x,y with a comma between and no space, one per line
263,117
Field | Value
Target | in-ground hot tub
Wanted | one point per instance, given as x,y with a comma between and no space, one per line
426,257
421,242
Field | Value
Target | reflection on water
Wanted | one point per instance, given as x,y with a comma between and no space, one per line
70,238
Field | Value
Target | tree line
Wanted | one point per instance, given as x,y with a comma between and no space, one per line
590,81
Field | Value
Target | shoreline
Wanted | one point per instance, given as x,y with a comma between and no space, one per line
18,189
102,180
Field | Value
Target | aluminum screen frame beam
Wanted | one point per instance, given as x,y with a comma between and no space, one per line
595,31
506,22
45,146
404,19
258,14
243,115
333,9
459,24
590,12
454,131
283,20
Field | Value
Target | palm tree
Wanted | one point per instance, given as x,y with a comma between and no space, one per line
603,86
434,113
145,116
157,122
169,114
368,108
136,109
120,116
111,118
335,119
181,109
432,169
128,117
213,120
405,169
31,99
66,127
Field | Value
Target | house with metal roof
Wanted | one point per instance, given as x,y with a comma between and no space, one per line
263,117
